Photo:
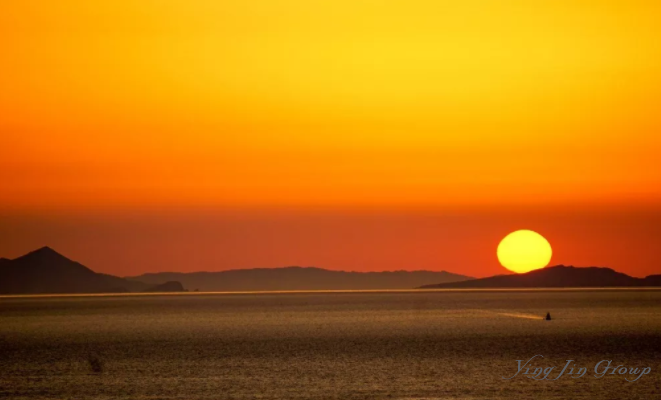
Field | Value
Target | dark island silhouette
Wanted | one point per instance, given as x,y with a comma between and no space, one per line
45,271
170,286
559,276
299,278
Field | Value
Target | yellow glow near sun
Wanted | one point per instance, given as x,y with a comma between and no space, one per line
524,251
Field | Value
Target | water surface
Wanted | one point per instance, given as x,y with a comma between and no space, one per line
347,345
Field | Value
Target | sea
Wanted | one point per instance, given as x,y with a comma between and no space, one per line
441,344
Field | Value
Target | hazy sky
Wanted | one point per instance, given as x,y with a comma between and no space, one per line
183,135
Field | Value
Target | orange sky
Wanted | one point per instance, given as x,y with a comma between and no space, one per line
165,114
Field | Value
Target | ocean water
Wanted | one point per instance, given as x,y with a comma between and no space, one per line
357,345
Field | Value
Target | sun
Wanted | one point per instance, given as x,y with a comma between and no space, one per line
523,251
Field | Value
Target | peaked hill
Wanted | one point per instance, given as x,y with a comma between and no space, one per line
45,271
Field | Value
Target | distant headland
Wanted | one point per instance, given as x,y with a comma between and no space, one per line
559,276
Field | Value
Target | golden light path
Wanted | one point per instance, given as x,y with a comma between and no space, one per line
517,315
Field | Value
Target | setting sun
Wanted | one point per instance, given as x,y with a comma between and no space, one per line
524,251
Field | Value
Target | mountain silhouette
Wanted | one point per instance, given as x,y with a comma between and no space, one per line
46,271
298,278
554,277
170,286
653,280
125,285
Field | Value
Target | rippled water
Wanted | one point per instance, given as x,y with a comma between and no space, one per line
391,345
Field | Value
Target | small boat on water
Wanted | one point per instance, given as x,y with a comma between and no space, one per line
548,316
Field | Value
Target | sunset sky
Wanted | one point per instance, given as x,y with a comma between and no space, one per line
143,136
